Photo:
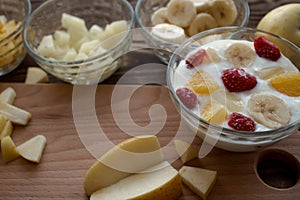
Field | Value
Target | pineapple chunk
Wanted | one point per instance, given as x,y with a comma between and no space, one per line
33,148
9,150
213,112
8,95
3,20
200,181
81,56
116,27
15,114
47,47
97,33
185,151
36,75
7,130
70,55
3,120
88,47
269,72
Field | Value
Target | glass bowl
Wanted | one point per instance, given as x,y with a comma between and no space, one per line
220,135
144,10
12,51
46,19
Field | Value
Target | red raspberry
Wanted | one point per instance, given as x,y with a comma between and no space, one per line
266,49
237,80
187,97
196,59
240,122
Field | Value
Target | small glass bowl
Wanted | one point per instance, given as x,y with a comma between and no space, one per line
12,51
46,19
225,138
145,8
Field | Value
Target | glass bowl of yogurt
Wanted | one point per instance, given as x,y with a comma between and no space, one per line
238,88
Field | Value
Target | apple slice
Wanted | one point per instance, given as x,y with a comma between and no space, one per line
14,114
157,183
200,181
7,130
33,148
128,157
9,150
185,151
8,95
36,75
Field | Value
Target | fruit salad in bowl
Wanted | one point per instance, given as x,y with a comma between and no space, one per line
167,23
237,86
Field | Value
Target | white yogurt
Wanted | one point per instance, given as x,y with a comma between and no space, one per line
214,69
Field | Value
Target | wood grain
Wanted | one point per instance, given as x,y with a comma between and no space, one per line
65,161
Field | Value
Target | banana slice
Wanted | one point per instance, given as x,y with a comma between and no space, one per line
269,110
201,5
169,32
181,12
159,16
202,22
240,55
224,11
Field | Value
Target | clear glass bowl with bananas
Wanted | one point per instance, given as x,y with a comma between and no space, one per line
83,41
236,87
167,23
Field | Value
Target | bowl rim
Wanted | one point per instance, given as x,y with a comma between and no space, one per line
22,24
148,34
226,131
35,55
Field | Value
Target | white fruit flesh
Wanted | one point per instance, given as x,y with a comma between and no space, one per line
14,114
200,181
62,38
163,183
47,46
121,161
159,16
33,148
36,75
8,148
185,151
8,95
168,32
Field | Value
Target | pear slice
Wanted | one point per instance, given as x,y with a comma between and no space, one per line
33,148
157,183
128,157
14,114
8,95
9,150
200,181
7,130
185,151
36,75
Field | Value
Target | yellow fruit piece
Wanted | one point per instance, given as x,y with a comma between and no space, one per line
7,130
213,112
3,120
202,83
8,95
9,150
128,157
32,149
161,182
269,72
200,181
287,83
185,151
36,75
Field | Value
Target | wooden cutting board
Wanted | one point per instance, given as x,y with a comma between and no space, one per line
65,161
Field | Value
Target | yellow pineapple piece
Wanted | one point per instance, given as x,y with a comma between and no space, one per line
269,72
202,83
213,112
287,83
9,150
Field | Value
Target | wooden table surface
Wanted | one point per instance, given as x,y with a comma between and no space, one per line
61,171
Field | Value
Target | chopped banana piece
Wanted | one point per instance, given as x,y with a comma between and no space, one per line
9,150
15,114
36,75
200,181
185,151
33,148
7,130
8,95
